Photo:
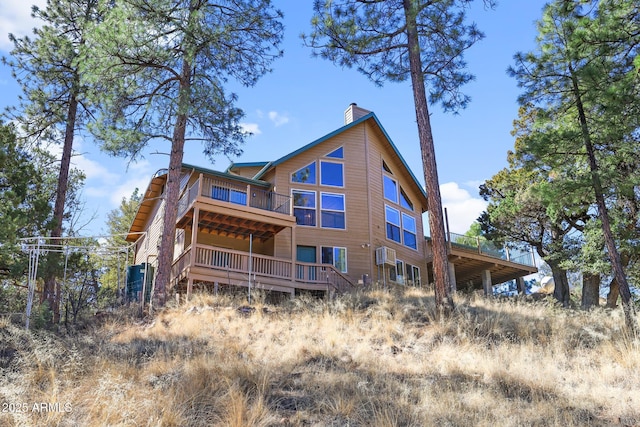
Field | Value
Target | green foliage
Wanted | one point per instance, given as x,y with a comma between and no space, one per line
13,299
580,91
25,200
393,40
372,37
118,224
41,316
139,76
80,280
158,70
46,68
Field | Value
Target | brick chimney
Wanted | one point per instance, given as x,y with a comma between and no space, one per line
353,113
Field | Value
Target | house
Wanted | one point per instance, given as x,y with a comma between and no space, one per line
342,211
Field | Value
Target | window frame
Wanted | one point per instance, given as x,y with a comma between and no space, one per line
314,209
414,233
334,258
315,174
384,188
388,208
405,201
343,211
400,273
338,156
322,175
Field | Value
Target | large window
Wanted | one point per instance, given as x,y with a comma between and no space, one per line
393,224
306,175
304,207
405,232
335,256
409,231
332,174
332,210
390,189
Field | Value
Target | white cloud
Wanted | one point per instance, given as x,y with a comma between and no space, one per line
125,189
93,170
462,208
15,18
113,187
252,128
278,119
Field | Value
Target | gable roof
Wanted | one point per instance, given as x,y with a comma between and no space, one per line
241,165
369,116
227,175
155,188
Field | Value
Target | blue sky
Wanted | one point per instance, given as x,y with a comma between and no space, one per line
304,98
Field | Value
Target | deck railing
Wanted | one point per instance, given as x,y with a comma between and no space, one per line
246,195
491,249
180,264
267,266
235,193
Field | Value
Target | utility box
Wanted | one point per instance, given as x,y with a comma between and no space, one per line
135,282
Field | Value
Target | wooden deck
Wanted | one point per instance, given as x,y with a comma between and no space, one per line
472,256
225,266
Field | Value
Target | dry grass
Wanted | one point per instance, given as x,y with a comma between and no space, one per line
373,359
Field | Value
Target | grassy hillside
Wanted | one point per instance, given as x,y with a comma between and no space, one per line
375,359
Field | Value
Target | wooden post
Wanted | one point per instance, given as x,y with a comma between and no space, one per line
194,240
189,288
452,277
486,283
293,254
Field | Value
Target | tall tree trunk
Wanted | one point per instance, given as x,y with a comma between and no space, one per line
614,293
614,289
52,289
436,220
172,192
561,291
590,290
603,213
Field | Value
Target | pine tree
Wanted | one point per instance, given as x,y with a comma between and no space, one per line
53,105
159,68
582,77
396,40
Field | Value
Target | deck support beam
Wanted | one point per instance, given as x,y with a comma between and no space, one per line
521,286
294,253
194,241
486,283
452,277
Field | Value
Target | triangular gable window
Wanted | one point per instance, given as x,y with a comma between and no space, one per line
338,153
386,168
405,202
306,175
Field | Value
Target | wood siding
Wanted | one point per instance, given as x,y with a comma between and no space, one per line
147,246
246,171
364,150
